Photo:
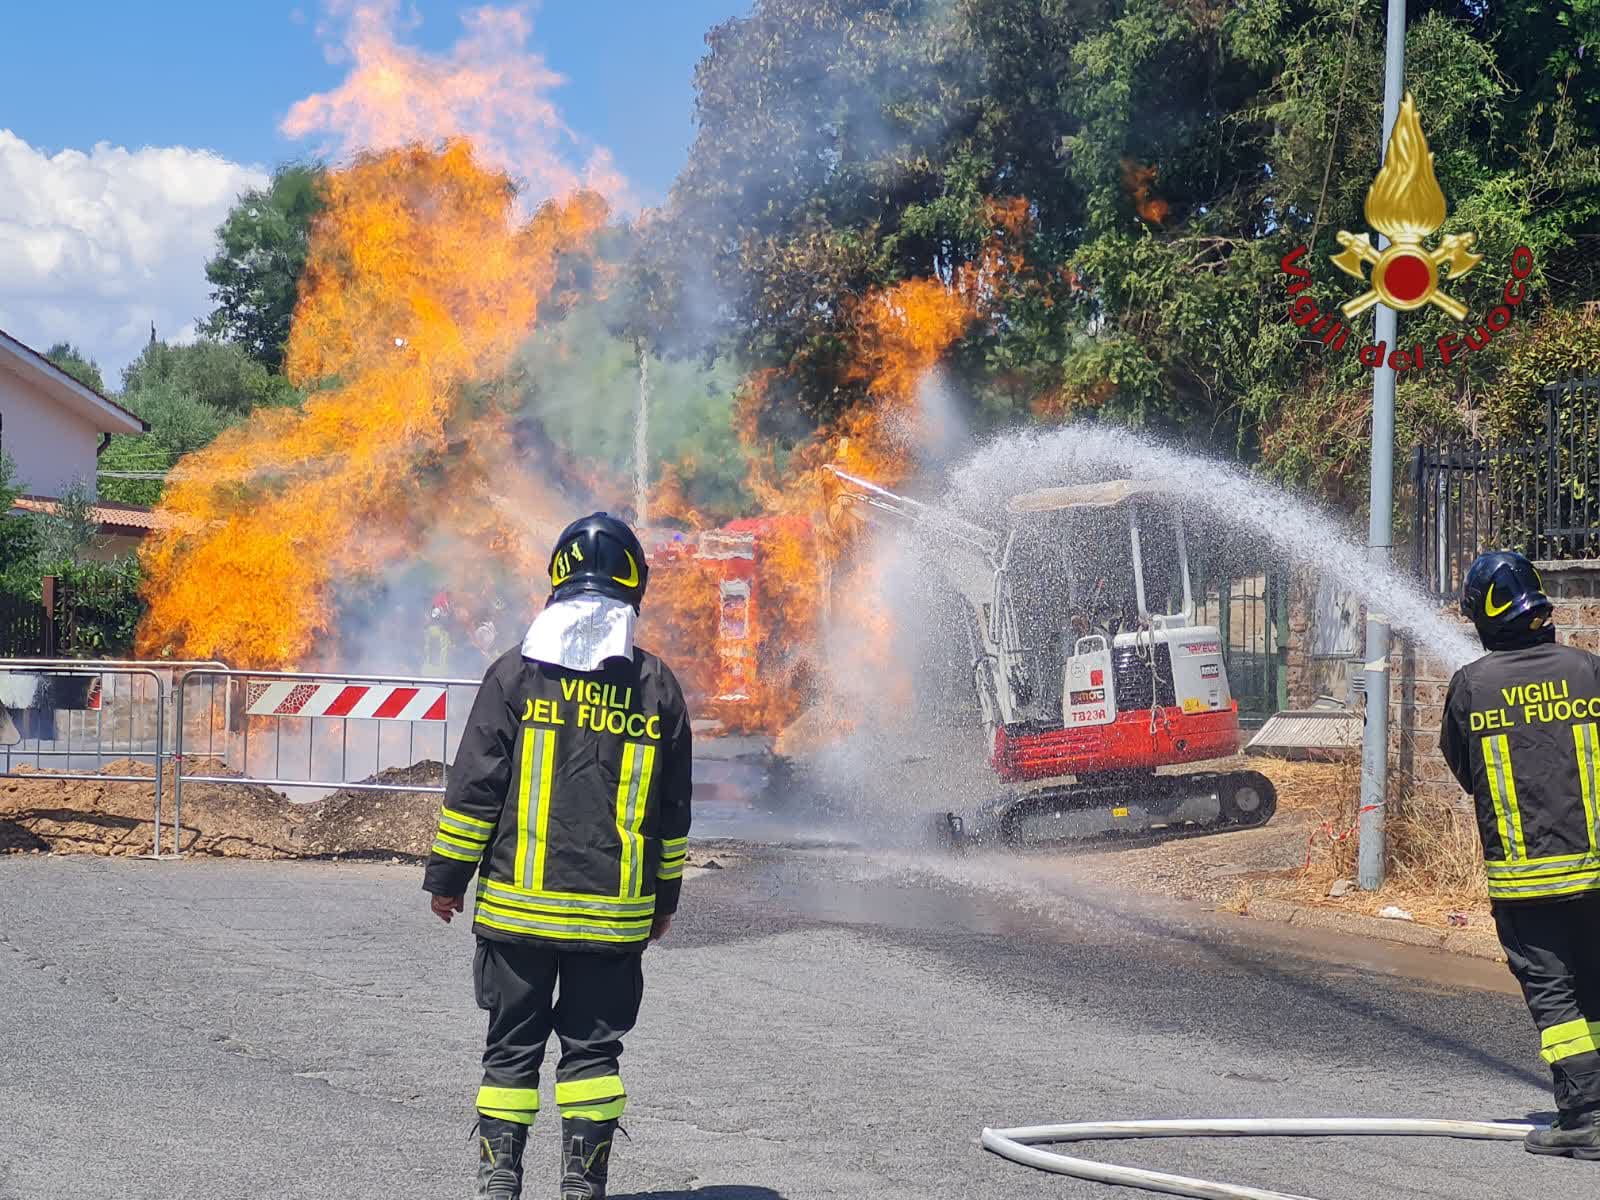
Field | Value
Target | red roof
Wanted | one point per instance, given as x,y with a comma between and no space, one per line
108,513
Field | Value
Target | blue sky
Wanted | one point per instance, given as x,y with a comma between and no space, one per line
220,76
127,130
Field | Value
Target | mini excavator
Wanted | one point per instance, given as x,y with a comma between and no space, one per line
1090,669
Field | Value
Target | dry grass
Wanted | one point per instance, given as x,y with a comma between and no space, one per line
1435,864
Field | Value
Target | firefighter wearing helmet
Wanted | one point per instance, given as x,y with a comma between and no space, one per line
569,799
1522,734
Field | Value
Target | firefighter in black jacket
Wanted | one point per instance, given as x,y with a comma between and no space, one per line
569,798
1522,734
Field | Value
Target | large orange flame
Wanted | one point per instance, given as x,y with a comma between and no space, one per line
808,575
419,281
489,88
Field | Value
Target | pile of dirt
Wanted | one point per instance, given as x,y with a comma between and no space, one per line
360,823
45,813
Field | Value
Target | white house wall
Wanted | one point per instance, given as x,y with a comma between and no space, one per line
51,447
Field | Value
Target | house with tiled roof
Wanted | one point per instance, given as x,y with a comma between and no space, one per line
55,428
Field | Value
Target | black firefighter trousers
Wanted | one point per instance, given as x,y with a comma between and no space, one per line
1553,947
589,999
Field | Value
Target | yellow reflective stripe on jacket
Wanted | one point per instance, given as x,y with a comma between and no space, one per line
637,927
572,918
1503,791
1544,888
444,841
1587,739
467,824
565,933
633,795
1568,1039
604,907
453,838
464,834
533,805
461,837
1535,868
674,853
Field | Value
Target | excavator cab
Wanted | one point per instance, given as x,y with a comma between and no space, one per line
1091,669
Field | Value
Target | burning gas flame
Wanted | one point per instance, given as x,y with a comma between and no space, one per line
1137,181
489,88
811,582
419,281
1405,201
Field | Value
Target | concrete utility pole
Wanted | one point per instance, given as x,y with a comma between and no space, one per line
1380,532
641,442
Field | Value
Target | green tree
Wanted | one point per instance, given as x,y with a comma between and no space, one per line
19,534
261,250
580,381
180,422
67,535
820,123
77,364
1168,154
216,374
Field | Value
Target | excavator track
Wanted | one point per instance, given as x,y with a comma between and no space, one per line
1099,808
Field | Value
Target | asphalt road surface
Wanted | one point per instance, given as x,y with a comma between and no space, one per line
821,1023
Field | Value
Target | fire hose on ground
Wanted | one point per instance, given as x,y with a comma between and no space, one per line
1020,1145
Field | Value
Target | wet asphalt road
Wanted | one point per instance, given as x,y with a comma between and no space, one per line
822,1023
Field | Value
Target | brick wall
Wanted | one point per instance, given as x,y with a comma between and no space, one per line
1418,683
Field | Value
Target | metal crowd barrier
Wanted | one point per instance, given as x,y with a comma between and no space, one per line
313,732
88,713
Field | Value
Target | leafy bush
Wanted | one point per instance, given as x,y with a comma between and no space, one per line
98,608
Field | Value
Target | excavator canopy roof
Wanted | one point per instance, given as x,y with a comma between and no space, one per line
1084,496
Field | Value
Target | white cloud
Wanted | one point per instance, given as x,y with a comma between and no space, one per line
95,246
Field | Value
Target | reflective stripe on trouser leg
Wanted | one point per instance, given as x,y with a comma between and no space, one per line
509,1103
1569,1038
601,1099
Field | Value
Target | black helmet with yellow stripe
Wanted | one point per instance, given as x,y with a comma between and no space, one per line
598,555
1504,598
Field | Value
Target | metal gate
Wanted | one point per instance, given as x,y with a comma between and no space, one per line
1252,613
1539,495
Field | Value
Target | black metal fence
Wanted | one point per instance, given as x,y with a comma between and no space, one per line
24,628
1540,495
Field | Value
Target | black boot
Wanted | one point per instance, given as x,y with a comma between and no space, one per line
586,1155
1574,1135
500,1145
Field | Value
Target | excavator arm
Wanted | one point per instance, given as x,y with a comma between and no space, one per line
861,491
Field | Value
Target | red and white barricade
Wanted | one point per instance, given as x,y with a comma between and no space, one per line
369,701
